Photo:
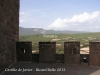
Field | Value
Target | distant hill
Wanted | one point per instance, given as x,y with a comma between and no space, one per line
32,31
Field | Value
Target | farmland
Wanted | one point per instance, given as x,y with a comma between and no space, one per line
83,38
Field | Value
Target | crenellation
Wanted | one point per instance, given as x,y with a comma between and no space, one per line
94,53
71,52
24,51
47,50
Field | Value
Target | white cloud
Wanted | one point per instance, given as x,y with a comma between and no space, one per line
59,23
81,21
21,13
31,17
23,17
22,20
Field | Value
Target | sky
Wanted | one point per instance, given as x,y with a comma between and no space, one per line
76,15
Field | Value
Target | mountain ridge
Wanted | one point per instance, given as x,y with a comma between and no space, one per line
32,31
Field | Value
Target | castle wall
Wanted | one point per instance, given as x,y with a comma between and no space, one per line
47,51
94,55
72,52
24,51
9,30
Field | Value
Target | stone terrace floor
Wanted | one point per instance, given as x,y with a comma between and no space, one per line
65,69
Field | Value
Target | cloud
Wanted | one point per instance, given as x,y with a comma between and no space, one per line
31,17
78,22
59,23
23,17
22,20
21,13
82,22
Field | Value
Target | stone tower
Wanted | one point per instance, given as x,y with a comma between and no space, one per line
9,32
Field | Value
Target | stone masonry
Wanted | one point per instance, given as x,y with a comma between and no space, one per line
72,52
24,51
9,32
94,55
47,51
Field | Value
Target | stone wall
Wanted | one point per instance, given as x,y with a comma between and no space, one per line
47,51
72,52
9,30
24,51
82,59
35,58
59,58
94,55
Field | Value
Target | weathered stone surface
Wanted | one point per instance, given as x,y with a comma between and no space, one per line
59,58
47,52
72,52
24,51
35,58
94,55
9,30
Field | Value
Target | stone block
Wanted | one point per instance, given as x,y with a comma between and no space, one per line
94,53
72,52
24,51
47,52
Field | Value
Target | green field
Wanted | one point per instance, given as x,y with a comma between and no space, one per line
60,39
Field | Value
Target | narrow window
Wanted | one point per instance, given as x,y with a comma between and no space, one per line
24,51
73,51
